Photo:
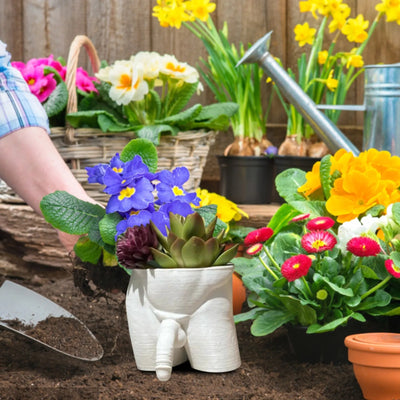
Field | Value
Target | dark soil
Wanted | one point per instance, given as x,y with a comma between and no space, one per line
268,371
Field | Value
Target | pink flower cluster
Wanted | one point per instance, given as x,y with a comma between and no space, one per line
42,85
317,240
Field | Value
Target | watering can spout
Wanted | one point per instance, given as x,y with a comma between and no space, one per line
321,124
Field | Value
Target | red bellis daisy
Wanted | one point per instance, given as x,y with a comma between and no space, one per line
295,267
257,236
363,246
318,241
392,268
320,223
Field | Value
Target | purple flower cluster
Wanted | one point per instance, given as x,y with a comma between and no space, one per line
140,196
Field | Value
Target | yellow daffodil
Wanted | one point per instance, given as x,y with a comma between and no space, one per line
391,8
339,18
171,13
304,34
200,9
354,60
331,82
355,29
322,57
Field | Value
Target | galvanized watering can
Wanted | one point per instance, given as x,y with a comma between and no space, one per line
381,103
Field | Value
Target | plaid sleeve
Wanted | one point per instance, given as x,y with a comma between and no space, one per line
19,108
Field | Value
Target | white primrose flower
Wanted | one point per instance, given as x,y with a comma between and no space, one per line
127,83
151,61
171,67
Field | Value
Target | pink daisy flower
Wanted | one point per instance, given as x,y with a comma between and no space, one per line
257,236
254,249
320,223
363,246
295,267
318,241
300,217
392,268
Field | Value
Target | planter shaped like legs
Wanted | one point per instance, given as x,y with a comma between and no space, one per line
179,314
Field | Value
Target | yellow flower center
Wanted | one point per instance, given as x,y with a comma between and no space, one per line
175,68
126,193
318,243
125,82
177,191
118,170
295,266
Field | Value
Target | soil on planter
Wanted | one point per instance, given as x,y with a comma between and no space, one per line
268,371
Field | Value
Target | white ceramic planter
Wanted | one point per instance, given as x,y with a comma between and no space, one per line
182,314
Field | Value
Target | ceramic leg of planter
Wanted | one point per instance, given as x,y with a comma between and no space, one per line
211,336
174,302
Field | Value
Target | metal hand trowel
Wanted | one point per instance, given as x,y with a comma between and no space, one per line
32,315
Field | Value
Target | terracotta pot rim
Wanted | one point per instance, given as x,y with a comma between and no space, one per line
374,342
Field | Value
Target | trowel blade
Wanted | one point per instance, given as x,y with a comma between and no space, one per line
22,311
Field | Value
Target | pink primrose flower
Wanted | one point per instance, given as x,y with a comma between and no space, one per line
84,82
318,241
392,268
39,84
320,223
258,235
295,267
49,61
363,246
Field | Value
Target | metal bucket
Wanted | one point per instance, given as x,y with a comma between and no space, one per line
382,108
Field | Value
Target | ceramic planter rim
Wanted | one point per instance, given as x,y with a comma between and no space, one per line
374,342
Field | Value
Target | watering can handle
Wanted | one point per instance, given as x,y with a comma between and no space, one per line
343,107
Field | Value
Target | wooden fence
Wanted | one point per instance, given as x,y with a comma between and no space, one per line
120,28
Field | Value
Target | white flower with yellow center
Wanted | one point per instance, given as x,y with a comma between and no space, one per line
171,67
127,83
151,63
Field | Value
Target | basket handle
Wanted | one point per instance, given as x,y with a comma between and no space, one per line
70,79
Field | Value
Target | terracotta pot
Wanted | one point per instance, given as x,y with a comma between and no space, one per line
376,364
238,294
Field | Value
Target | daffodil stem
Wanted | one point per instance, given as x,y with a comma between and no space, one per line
376,287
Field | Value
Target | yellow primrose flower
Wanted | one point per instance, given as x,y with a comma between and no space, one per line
200,9
322,57
391,8
313,182
331,82
355,29
227,210
304,34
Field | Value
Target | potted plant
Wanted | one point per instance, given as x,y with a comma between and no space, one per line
330,255
180,276
325,73
241,177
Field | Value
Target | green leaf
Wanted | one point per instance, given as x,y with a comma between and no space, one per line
177,103
396,212
57,101
164,260
183,117
143,148
102,119
379,299
270,321
287,183
248,315
107,226
305,315
69,214
282,217
227,255
325,175
341,290
87,250
153,132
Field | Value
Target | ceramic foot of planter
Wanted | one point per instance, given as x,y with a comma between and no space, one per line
376,364
182,314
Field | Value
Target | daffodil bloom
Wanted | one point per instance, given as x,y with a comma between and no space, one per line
322,57
200,9
355,60
331,82
304,34
171,13
391,8
355,29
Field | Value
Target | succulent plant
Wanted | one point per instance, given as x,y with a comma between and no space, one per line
190,243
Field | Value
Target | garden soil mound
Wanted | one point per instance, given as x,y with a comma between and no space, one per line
268,371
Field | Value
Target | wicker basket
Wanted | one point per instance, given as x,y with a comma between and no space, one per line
86,147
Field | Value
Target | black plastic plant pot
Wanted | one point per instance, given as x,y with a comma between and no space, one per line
246,179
